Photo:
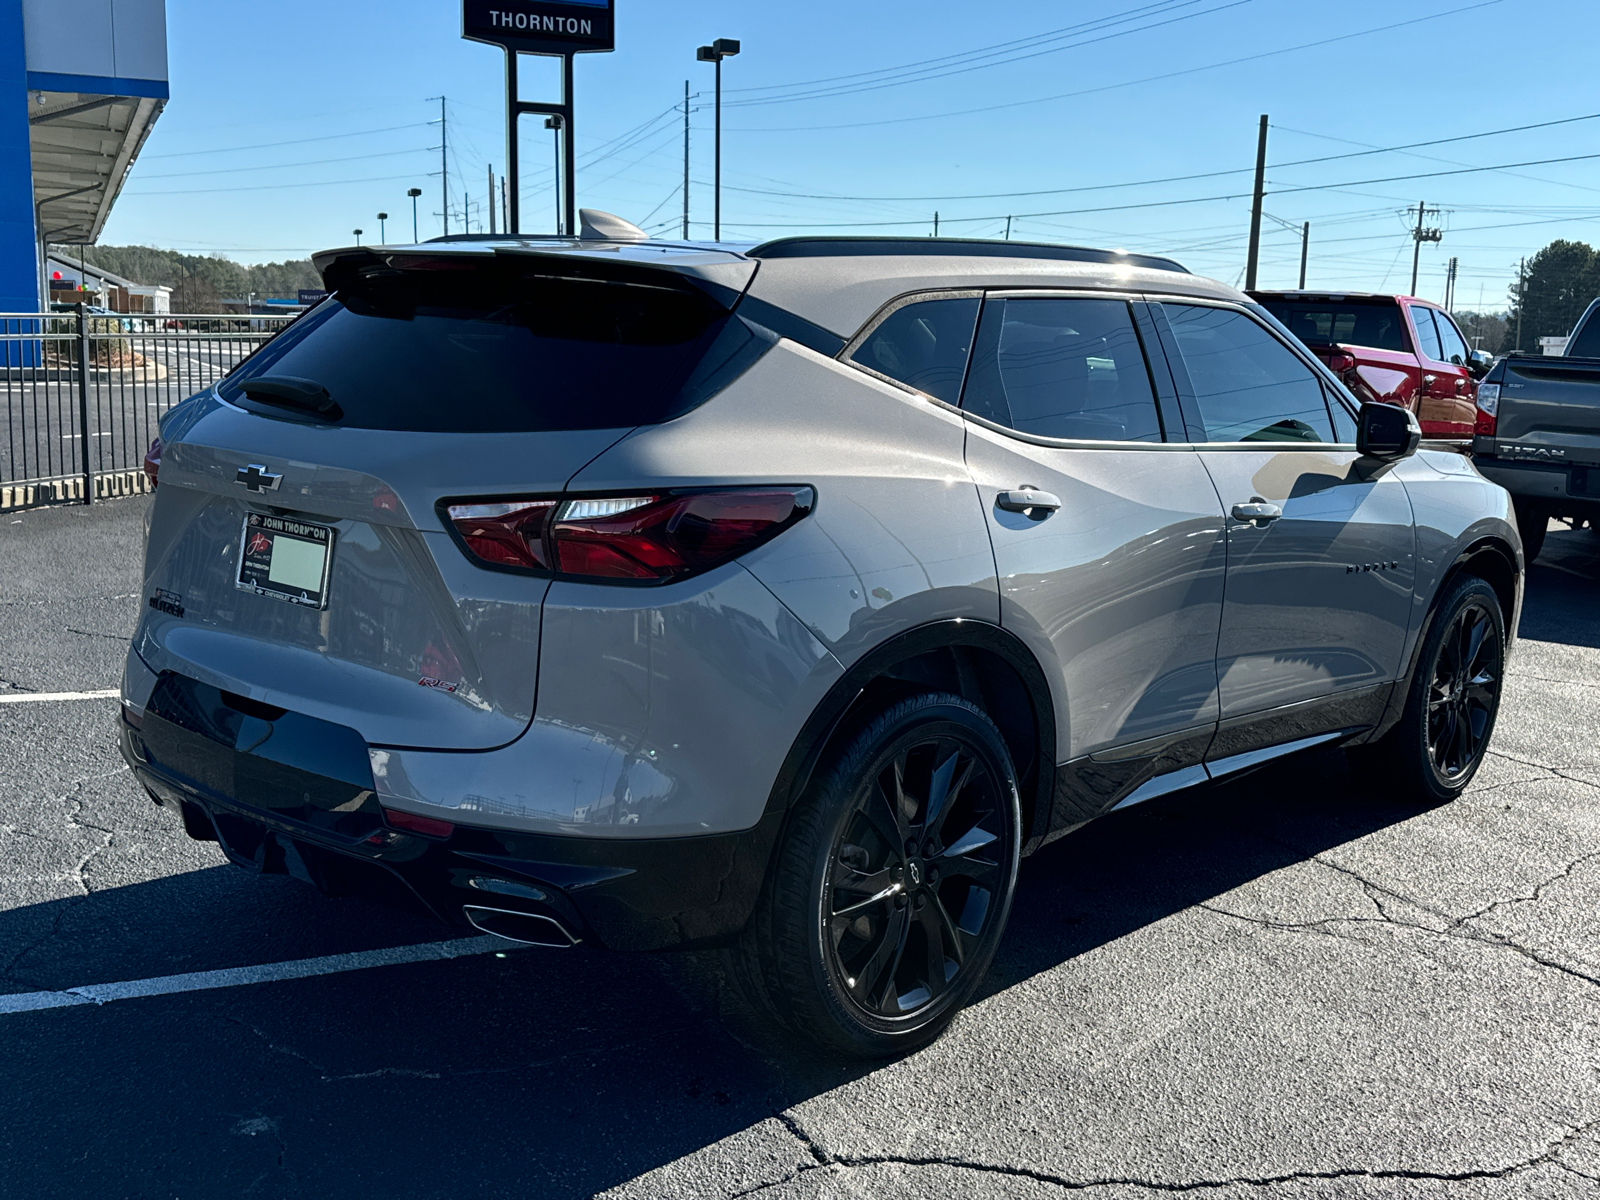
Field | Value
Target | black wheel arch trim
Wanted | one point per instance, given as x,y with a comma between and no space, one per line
956,633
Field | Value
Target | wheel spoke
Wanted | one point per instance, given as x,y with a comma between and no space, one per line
933,937
876,898
888,950
954,940
862,883
883,812
1476,638
982,872
945,786
1462,745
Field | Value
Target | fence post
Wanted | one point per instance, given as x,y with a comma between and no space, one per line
83,403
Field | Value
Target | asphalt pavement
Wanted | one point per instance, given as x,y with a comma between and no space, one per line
1292,986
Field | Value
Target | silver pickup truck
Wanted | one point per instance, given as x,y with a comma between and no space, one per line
1538,432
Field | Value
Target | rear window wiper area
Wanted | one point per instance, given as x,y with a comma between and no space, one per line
287,391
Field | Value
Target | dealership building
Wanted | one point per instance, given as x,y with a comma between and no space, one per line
81,85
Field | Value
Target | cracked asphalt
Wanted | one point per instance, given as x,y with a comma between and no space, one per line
1289,987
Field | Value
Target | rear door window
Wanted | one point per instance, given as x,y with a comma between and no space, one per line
1248,386
923,345
497,347
1375,324
1452,346
1427,333
1062,368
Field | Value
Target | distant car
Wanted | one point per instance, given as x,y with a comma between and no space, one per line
658,594
1393,349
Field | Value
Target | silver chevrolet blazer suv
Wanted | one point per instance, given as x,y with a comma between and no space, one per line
783,598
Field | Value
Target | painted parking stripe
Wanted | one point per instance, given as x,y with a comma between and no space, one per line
299,968
40,697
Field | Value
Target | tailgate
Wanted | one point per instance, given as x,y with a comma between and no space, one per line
1549,409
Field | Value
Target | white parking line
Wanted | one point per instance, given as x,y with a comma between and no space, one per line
299,968
38,697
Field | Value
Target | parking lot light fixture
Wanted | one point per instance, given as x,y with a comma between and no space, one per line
357,232
414,193
718,50
383,229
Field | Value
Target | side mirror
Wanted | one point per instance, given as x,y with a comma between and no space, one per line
1479,362
1386,432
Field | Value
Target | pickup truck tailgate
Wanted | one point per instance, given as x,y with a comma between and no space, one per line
1549,411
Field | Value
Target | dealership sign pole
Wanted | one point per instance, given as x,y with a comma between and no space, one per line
563,28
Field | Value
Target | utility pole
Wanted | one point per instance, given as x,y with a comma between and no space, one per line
686,160
466,212
1420,235
505,207
489,198
1450,285
1522,297
444,163
1305,250
1008,229
1255,207
414,193
718,50
936,222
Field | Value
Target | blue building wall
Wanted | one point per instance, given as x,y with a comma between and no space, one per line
19,269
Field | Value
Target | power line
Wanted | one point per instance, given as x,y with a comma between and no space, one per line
962,112
927,74
272,187
328,137
312,162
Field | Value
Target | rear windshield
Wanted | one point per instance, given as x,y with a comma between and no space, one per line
501,348
1353,323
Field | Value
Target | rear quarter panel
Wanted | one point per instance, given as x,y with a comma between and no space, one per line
1455,509
897,538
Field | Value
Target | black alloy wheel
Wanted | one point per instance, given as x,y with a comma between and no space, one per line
1443,733
1465,691
914,872
891,889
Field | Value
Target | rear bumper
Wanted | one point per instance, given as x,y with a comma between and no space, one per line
635,894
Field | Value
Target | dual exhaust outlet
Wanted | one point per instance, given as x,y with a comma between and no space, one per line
528,929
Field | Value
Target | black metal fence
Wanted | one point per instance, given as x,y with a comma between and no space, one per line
84,392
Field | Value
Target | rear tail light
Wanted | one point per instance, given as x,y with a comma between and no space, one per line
1488,409
644,538
152,461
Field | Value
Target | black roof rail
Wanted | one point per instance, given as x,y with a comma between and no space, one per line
843,247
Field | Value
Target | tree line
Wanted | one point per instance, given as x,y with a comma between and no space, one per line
200,282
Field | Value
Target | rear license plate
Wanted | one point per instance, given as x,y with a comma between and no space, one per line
285,559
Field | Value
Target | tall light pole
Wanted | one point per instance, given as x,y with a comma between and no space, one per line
718,50
357,232
414,193
383,229
553,122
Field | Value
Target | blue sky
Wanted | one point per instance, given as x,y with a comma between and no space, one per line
1079,102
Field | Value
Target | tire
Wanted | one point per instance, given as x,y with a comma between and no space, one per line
891,888
1454,698
1532,521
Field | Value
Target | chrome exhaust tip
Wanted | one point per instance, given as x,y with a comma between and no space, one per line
528,929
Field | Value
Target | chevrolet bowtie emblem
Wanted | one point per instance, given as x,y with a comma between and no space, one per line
258,479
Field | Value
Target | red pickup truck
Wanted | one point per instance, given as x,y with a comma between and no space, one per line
1397,349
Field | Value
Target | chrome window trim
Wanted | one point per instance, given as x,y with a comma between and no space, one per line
1034,439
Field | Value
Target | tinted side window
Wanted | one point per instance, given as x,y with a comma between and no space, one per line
1352,323
924,346
1451,344
1062,369
1427,335
1248,385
